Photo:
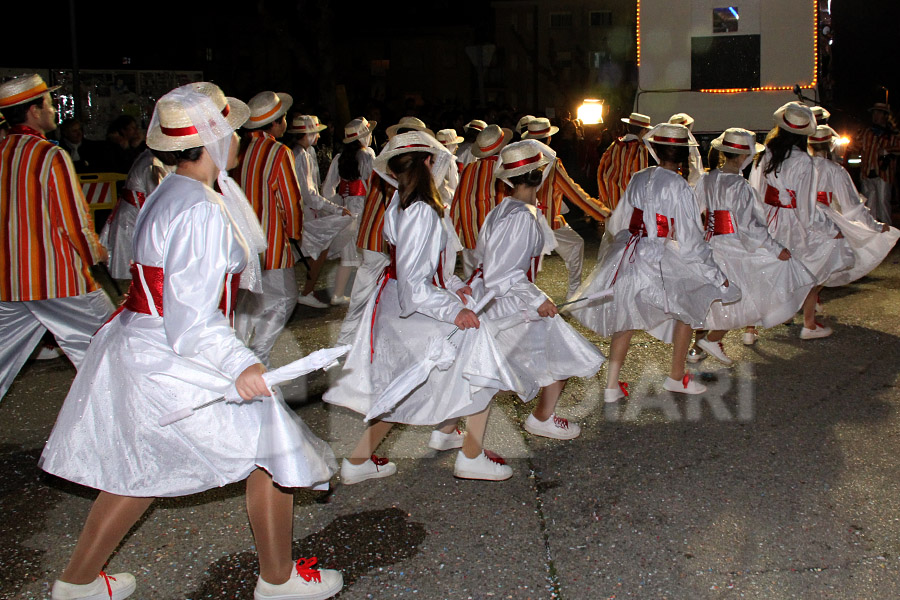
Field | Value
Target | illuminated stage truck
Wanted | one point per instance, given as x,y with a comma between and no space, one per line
727,64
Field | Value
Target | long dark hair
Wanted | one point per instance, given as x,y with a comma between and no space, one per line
415,181
675,154
780,143
348,166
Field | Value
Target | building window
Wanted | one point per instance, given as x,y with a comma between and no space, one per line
601,18
560,19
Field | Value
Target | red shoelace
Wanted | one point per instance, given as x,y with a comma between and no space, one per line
624,387
494,457
560,422
686,380
305,570
106,579
379,461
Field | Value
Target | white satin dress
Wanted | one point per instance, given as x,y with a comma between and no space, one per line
140,367
346,243
772,290
665,276
404,315
323,220
795,221
841,202
544,350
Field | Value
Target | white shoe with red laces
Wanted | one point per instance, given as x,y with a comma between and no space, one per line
555,427
716,350
305,583
687,385
105,587
441,441
486,466
820,331
374,468
614,394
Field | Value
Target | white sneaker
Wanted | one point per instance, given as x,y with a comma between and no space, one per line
813,334
613,394
441,441
305,583
48,353
555,427
374,468
340,300
486,467
311,301
749,338
686,386
105,587
716,349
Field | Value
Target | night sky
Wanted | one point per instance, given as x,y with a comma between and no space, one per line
284,44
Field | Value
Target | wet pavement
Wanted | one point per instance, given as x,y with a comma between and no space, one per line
781,482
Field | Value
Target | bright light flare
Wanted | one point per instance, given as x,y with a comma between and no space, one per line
843,140
591,112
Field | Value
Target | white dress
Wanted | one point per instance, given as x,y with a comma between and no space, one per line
772,290
118,232
839,199
544,350
140,367
404,315
668,274
794,220
346,243
323,220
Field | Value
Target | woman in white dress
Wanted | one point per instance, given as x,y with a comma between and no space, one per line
171,347
324,222
785,180
656,261
869,239
415,308
347,184
538,344
773,285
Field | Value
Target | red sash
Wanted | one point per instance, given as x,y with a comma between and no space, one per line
773,198
824,198
638,230
146,280
351,188
721,223
136,199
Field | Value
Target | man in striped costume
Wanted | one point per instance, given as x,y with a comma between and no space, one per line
478,191
556,187
266,173
47,237
878,146
624,157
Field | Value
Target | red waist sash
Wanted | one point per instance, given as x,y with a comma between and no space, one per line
773,198
351,188
136,199
719,222
638,230
147,283
824,198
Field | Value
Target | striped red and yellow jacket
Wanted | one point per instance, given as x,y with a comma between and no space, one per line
475,196
47,234
267,176
371,223
620,161
871,147
558,186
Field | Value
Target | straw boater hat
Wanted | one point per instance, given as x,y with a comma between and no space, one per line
670,134
682,119
25,88
821,114
448,137
520,158
358,129
522,125
411,141
877,106
174,130
266,107
539,128
737,141
796,118
476,124
301,124
490,141
823,135
409,123
638,119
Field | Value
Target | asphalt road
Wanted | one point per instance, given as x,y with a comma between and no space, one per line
782,482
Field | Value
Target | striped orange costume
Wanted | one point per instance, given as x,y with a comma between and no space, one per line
47,234
872,146
371,223
557,187
267,176
624,157
475,197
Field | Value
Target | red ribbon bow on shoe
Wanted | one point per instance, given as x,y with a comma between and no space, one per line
494,457
624,387
686,380
379,461
305,570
